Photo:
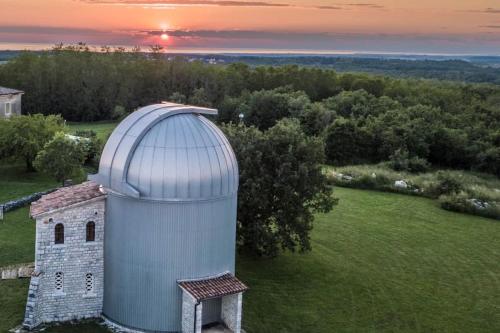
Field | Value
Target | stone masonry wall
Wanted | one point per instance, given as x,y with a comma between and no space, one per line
75,259
188,313
231,311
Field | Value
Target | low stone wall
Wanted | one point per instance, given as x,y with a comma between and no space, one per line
18,203
17,271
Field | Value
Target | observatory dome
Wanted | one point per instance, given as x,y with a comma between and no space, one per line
169,152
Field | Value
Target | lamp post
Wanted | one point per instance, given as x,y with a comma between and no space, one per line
241,116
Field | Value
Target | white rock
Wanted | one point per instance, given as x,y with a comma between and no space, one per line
25,271
8,274
400,184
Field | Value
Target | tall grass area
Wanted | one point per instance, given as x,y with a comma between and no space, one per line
462,191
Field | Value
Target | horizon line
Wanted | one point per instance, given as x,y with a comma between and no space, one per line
38,47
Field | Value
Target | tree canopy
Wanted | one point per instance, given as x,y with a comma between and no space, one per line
61,157
24,136
281,186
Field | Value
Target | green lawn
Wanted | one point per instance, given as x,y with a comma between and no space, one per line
102,128
381,262
15,182
17,238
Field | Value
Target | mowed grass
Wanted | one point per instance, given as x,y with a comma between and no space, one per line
16,182
13,296
381,262
17,238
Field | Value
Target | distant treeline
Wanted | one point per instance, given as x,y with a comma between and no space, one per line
361,118
453,70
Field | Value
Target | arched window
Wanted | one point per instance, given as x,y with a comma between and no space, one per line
59,282
89,282
59,234
90,231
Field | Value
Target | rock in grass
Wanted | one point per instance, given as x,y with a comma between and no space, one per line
400,184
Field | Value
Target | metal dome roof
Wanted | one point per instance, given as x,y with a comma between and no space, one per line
168,152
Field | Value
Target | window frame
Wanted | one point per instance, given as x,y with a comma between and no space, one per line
8,106
59,234
59,282
90,231
89,283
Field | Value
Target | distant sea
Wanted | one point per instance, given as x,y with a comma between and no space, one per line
240,51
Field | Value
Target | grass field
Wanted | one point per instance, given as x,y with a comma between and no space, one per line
15,182
381,262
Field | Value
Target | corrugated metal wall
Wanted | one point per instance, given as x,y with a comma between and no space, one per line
149,245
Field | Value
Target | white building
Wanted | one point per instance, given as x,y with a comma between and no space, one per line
10,102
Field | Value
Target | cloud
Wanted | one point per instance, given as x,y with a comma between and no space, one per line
328,7
486,42
490,26
239,34
219,3
484,11
491,11
366,5
222,3
44,30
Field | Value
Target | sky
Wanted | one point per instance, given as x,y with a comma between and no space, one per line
371,26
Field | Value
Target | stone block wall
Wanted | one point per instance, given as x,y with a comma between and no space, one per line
74,259
189,306
231,311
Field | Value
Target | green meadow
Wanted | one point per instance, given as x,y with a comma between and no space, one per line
381,262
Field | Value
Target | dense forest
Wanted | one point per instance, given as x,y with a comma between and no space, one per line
361,118
476,69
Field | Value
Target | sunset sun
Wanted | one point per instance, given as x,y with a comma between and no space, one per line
164,36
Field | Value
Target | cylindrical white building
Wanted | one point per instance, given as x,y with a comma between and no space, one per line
172,180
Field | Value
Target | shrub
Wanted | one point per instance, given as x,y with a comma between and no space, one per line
177,97
118,112
92,146
461,202
401,161
448,183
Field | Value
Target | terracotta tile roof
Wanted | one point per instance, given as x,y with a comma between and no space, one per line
223,285
65,196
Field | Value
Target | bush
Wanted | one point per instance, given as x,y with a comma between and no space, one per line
467,192
91,145
401,161
118,112
448,183
461,202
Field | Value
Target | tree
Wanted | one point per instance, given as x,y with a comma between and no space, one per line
315,119
200,98
24,136
347,143
60,158
281,186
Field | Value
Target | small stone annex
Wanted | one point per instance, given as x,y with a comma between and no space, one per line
148,243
